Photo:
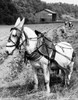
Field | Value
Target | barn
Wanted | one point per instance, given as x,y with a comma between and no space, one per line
45,16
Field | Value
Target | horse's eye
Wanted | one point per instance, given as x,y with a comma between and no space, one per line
14,35
8,40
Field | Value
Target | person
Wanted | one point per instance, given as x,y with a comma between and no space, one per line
68,24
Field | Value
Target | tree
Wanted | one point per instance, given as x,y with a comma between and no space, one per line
8,12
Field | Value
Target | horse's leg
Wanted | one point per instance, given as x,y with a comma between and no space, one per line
64,77
35,79
47,77
44,64
67,74
34,65
70,72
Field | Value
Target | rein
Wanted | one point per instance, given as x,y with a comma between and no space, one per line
29,56
53,49
33,39
58,52
47,47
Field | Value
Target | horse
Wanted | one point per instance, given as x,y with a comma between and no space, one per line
39,52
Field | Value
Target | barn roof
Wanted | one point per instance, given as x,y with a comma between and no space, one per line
50,11
47,10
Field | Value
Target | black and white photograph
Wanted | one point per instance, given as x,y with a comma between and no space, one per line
38,50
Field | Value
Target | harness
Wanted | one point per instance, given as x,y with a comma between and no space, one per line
17,45
37,53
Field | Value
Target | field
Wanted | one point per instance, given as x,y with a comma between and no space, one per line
16,79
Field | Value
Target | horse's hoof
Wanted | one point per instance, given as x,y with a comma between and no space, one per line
36,87
48,93
35,90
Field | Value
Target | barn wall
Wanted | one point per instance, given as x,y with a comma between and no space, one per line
54,16
43,16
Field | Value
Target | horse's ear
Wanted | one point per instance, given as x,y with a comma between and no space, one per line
22,23
37,32
17,22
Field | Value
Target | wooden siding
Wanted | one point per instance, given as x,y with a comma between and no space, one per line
44,16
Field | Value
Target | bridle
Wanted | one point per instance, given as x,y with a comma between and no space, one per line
17,45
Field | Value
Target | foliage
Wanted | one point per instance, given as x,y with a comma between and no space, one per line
8,12
63,8
28,8
11,9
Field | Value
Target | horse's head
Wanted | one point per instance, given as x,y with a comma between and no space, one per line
15,36
45,42
40,37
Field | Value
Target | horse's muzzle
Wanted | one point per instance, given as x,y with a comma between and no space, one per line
7,53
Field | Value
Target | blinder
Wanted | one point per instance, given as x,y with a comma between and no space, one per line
14,28
17,44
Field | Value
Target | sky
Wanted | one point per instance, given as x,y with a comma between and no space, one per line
75,2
